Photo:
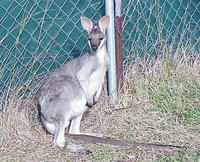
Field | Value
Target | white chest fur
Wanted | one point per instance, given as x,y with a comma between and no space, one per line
97,77
95,80
92,78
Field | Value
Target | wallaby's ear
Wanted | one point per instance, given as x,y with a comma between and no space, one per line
104,22
86,23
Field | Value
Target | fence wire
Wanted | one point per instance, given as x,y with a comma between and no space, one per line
150,27
38,36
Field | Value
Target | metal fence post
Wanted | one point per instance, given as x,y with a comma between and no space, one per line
112,80
118,45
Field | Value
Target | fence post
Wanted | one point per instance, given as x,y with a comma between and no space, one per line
118,44
112,81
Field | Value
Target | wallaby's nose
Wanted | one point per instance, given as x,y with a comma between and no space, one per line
94,47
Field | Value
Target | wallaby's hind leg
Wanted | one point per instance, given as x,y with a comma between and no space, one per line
59,137
75,125
75,129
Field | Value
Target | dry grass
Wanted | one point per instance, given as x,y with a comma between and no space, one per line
159,104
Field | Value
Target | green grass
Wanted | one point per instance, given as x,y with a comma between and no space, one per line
191,155
176,92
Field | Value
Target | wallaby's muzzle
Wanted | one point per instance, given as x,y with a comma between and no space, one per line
94,47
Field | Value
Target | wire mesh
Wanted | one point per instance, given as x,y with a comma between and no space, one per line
151,27
37,36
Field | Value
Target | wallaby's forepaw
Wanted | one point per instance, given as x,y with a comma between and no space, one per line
78,149
90,103
96,99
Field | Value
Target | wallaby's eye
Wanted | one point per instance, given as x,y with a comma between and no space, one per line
89,39
101,38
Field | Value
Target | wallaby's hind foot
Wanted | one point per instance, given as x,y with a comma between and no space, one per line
78,149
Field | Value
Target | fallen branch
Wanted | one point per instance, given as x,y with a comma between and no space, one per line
120,143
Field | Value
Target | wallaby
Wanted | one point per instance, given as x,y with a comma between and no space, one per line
78,83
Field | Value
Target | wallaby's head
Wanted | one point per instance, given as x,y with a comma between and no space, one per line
96,34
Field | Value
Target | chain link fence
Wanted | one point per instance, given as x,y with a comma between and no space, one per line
151,27
37,36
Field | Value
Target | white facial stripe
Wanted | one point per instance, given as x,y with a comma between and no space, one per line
101,44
